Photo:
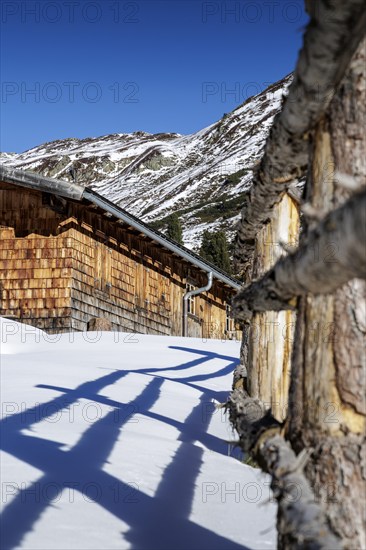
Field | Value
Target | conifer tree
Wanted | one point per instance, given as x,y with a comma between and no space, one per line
214,248
174,228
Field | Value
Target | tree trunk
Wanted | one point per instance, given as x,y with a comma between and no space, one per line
333,34
327,394
326,413
267,341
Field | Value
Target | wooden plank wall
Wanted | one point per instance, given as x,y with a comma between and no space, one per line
135,292
107,283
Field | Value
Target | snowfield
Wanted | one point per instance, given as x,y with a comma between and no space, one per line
112,441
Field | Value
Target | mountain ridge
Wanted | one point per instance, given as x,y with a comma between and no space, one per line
202,176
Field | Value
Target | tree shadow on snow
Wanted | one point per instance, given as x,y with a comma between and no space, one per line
159,522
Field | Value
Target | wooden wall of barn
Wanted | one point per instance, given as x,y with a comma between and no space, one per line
63,263
135,291
35,281
35,265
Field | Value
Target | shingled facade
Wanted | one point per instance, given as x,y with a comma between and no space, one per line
67,255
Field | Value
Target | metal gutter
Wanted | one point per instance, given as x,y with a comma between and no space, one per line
189,295
35,181
181,251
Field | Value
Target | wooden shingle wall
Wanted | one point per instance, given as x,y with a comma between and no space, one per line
35,276
135,292
64,262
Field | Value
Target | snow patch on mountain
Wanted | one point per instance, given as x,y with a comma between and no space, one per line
202,176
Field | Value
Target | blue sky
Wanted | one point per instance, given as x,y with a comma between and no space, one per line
81,68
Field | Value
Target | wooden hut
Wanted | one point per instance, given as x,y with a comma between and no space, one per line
68,255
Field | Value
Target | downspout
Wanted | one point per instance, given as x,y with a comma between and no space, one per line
194,293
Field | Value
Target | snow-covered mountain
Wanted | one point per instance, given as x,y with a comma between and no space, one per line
202,176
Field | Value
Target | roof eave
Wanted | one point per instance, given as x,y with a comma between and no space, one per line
77,192
31,180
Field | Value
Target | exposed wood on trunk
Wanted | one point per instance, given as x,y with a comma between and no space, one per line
330,40
267,340
327,409
333,253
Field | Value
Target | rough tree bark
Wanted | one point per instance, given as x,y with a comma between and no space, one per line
300,518
327,410
331,38
333,253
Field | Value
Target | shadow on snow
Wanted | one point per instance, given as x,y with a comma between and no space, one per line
159,522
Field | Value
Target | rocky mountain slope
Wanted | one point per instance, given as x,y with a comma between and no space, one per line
202,176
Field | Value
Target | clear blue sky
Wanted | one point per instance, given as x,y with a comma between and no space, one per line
80,68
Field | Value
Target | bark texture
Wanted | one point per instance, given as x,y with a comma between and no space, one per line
327,409
332,254
300,517
326,416
330,40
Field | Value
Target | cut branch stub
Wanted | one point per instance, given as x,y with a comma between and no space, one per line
333,253
250,418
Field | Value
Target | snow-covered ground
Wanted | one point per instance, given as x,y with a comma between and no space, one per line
113,441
